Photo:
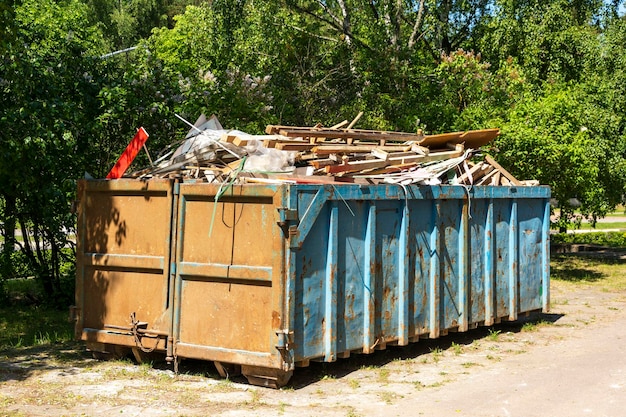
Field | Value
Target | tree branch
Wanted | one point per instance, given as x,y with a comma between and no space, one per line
346,20
374,10
314,35
332,24
330,13
418,24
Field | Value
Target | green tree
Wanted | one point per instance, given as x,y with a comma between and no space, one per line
48,88
567,138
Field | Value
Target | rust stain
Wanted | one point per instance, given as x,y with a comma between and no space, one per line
386,292
275,319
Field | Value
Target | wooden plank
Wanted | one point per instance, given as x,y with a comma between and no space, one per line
504,172
420,149
340,124
341,148
496,178
439,141
402,154
433,156
286,146
370,164
386,170
475,173
380,154
488,178
268,141
356,119
474,139
355,166
321,163
357,134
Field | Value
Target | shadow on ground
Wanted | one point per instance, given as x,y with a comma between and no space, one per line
583,266
20,363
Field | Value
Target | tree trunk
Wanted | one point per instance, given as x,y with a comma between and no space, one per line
8,220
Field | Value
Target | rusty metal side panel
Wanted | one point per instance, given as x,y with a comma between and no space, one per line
229,271
375,265
123,253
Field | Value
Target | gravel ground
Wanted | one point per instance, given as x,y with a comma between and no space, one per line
569,362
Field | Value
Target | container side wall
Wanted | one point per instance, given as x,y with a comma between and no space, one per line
405,266
423,221
450,255
386,277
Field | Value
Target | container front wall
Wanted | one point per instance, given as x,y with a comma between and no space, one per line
123,254
384,264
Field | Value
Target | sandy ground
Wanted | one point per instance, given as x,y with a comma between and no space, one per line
569,362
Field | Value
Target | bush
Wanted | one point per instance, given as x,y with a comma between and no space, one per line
610,239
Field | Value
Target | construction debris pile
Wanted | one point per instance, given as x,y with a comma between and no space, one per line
318,155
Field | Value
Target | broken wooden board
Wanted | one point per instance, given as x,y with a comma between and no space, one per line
339,148
379,163
504,172
473,139
355,134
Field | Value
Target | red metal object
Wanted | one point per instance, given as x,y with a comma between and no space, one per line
129,154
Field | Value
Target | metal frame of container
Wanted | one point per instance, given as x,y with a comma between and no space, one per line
268,277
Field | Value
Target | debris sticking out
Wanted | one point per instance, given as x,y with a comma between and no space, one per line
319,155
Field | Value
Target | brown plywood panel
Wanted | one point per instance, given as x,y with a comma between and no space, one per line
476,138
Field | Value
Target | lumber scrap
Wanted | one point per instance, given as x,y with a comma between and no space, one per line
372,135
345,148
504,172
341,153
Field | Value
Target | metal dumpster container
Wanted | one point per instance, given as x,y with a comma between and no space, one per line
270,277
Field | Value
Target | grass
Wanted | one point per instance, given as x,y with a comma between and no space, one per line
33,326
437,353
608,274
603,226
456,348
533,326
494,335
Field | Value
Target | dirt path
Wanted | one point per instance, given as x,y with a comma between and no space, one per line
571,362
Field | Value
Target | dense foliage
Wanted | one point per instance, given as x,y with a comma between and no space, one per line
605,239
78,77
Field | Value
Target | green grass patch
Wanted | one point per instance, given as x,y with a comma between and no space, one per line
603,226
28,326
609,274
